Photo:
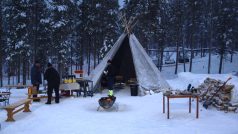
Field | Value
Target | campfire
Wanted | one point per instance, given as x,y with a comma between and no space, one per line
106,102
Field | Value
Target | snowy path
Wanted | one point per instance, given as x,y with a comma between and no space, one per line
136,115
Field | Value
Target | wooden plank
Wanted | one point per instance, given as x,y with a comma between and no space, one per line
17,104
20,109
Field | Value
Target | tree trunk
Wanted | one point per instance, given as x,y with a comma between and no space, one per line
89,53
1,74
28,65
184,65
211,38
1,47
60,67
161,58
191,50
8,73
191,60
81,55
19,70
71,59
94,54
24,68
209,59
177,55
221,59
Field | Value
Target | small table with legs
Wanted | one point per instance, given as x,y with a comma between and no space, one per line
181,96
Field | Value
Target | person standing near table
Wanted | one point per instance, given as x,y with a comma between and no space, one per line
36,79
53,81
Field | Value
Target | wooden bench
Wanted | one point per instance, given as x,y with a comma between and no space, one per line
11,109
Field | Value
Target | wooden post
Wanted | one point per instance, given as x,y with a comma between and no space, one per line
163,104
197,110
10,115
189,104
26,107
168,107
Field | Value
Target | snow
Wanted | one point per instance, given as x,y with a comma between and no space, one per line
23,14
62,8
136,115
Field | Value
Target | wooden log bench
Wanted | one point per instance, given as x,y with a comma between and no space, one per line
13,108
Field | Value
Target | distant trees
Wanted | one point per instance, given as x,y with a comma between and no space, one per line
71,32
99,28
194,24
224,25
1,45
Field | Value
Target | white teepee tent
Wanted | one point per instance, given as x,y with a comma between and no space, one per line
147,74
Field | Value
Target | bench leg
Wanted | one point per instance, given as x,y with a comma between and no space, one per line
10,115
163,104
26,107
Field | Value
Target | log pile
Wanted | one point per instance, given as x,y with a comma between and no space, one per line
221,99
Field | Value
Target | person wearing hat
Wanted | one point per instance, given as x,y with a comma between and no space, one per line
36,79
53,81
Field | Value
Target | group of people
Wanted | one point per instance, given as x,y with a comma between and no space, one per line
53,79
51,76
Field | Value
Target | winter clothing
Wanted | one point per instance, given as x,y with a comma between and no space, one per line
110,76
53,80
36,79
110,70
36,75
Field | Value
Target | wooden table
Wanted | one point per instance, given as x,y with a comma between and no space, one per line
181,96
84,83
69,87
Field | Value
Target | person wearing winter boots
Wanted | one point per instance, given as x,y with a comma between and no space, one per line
53,81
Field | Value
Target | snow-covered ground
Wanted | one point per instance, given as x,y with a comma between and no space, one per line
136,115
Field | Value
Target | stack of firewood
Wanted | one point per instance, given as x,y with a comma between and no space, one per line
221,99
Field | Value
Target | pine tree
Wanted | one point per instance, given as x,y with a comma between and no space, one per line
224,28
1,46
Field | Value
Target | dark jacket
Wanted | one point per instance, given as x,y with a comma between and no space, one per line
52,77
35,75
110,70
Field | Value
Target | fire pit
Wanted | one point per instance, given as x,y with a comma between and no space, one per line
106,102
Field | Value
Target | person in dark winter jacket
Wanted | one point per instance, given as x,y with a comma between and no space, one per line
36,79
110,72
53,80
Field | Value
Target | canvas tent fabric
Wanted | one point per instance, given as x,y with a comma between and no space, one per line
131,61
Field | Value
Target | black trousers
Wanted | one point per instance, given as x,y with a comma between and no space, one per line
110,82
50,91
